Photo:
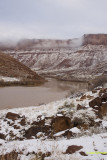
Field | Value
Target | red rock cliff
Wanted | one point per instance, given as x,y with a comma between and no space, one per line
95,39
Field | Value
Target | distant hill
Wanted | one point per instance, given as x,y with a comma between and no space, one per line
74,59
10,67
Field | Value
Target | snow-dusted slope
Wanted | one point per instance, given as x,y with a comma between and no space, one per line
83,57
69,129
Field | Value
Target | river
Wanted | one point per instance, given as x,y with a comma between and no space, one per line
14,97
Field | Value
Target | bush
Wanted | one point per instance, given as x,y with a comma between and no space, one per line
83,116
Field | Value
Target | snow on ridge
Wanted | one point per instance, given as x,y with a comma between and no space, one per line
9,79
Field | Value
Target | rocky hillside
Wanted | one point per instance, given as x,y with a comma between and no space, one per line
10,67
75,59
69,129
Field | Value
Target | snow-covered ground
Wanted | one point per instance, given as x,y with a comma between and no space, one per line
93,141
9,79
92,146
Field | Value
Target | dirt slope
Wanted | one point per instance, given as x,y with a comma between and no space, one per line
10,67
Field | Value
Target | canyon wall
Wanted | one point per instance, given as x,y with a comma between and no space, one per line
95,39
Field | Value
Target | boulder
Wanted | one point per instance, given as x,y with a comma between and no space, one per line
83,97
2,136
83,153
16,127
60,123
23,122
68,134
95,102
39,123
100,111
104,97
97,111
72,149
32,131
12,116
104,109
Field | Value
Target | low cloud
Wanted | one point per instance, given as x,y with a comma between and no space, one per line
51,19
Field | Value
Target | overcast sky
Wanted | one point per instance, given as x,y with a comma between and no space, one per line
60,19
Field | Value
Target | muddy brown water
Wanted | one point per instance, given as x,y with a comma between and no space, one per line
14,97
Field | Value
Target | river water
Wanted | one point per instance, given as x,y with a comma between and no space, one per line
14,97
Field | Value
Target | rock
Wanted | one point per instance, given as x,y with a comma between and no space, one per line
23,122
83,97
98,124
11,134
9,156
79,107
32,131
12,116
97,111
101,111
104,109
83,126
41,156
68,134
47,154
102,91
94,91
72,149
40,134
95,102
16,127
83,153
39,123
2,136
104,97
37,126
60,123
10,123
48,120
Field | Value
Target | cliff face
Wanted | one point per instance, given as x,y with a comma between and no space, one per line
95,39
81,62
85,57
